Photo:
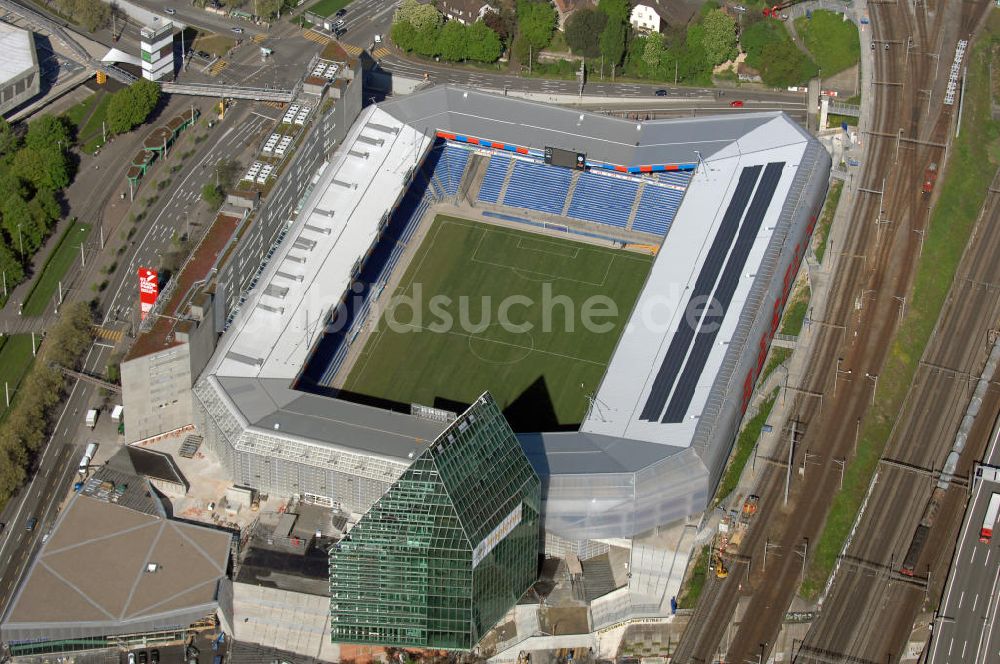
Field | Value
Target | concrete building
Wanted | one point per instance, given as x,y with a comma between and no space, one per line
123,572
181,333
20,79
156,48
645,18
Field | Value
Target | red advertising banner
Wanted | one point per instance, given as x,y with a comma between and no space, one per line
149,288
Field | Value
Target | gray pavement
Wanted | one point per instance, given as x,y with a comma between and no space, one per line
964,627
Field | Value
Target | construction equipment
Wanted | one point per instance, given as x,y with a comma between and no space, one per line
775,10
750,506
719,566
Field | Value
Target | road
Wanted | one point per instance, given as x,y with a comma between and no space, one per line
872,275
57,466
971,593
58,460
174,212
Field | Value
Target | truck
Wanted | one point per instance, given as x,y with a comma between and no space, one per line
88,456
930,177
91,418
986,532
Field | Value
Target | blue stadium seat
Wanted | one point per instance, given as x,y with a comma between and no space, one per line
451,167
657,209
679,178
535,186
603,199
496,171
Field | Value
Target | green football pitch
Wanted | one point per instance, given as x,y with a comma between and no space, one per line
531,318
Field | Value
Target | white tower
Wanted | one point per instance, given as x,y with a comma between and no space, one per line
157,51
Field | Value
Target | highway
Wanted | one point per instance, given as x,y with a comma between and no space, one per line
870,280
93,194
867,582
964,627
56,468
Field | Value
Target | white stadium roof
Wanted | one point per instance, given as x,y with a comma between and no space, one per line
696,247
17,49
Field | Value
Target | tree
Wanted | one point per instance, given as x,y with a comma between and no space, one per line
130,107
451,43
536,21
420,16
48,131
771,51
43,167
613,42
269,8
482,43
615,10
404,35
9,141
719,39
654,50
212,195
10,267
583,31
502,22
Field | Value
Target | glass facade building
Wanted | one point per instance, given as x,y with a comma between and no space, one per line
449,549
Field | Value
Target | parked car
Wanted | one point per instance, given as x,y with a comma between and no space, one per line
32,522
154,656
142,657
131,658
736,103
170,11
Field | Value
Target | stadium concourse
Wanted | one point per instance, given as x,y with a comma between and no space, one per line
726,205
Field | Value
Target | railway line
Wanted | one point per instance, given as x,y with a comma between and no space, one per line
866,296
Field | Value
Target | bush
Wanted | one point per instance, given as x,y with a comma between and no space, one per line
771,51
212,195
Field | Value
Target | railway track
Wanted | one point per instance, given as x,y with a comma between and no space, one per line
865,298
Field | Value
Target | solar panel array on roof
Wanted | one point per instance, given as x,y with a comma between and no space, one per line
681,342
711,318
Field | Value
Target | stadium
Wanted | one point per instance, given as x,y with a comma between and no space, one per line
613,285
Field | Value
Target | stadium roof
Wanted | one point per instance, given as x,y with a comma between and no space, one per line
657,395
116,570
270,403
667,360
18,50
605,138
308,275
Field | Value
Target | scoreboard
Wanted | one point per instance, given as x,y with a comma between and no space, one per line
565,158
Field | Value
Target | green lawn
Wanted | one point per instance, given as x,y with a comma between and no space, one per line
970,169
542,365
15,360
795,312
86,117
47,284
91,135
327,8
695,581
743,447
833,42
822,232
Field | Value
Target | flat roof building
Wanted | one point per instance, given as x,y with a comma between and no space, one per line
20,78
118,566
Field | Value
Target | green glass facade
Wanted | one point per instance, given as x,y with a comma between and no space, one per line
449,549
